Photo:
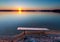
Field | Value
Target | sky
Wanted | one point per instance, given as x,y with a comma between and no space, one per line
42,4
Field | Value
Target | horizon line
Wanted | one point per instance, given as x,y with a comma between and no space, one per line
46,10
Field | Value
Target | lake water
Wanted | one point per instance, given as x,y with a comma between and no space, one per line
10,21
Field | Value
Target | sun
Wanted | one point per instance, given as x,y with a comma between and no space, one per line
19,10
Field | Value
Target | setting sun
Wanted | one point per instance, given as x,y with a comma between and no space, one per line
19,10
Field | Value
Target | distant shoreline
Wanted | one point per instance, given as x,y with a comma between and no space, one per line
55,10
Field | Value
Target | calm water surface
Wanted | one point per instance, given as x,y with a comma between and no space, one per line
10,21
